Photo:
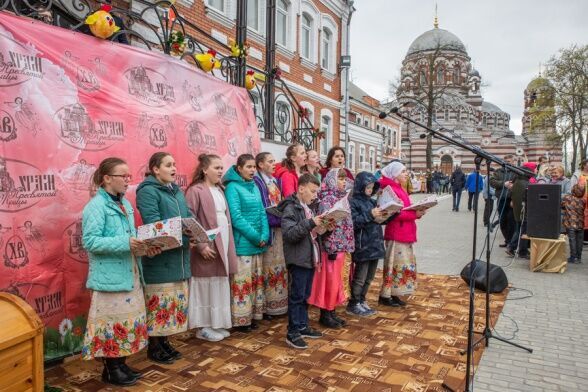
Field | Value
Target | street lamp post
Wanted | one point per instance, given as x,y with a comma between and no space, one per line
346,65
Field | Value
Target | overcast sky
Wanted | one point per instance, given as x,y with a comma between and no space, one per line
506,40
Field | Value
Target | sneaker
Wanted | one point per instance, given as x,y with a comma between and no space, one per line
367,308
209,334
311,333
356,310
296,341
222,331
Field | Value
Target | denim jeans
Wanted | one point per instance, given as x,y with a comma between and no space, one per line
300,286
363,274
456,198
576,237
472,198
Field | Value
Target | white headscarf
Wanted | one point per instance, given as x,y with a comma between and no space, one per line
393,170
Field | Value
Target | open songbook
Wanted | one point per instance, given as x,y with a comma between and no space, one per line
389,203
424,204
197,232
164,234
340,210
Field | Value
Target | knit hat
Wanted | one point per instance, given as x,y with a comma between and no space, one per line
530,165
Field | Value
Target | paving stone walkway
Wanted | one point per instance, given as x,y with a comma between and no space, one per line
553,322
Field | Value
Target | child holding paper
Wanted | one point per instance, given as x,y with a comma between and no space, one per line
275,276
369,241
327,287
212,262
166,275
399,263
117,307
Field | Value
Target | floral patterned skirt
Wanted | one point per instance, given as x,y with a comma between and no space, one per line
275,277
247,298
399,270
167,308
116,324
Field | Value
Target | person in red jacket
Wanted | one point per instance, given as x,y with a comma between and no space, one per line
290,169
335,160
400,262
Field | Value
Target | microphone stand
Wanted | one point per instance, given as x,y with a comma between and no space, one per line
480,155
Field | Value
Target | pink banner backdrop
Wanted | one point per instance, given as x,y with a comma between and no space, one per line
68,100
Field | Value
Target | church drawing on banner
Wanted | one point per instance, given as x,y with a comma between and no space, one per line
460,108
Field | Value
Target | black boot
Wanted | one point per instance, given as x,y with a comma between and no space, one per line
398,301
338,319
156,352
128,370
175,354
327,320
387,302
114,374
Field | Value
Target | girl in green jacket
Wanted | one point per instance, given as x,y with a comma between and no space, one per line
116,326
166,275
251,233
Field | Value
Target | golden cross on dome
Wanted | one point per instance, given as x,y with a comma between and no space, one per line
436,22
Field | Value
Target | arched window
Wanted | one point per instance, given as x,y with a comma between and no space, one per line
254,15
282,8
327,128
395,139
440,75
378,127
306,36
218,4
422,77
456,72
366,123
372,158
326,48
361,156
484,121
446,115
351,157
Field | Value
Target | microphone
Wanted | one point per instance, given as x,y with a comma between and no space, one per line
423,135
395,109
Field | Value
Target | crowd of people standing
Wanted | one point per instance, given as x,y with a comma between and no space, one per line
509,190
276,252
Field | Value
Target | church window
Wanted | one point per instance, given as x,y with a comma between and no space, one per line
484,121
423,78
440,76
446,114
456,72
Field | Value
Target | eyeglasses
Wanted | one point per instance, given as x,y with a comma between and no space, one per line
126,177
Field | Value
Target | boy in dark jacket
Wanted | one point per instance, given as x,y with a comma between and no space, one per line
369,241
300,229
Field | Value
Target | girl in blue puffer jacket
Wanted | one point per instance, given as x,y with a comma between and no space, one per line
251,232
116,326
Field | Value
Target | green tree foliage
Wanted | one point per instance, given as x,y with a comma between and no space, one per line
567,73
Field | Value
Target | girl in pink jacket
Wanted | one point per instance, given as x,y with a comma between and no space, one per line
400,263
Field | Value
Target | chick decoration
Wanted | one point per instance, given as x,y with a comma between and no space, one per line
207,61
101,23
238,51
250,80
